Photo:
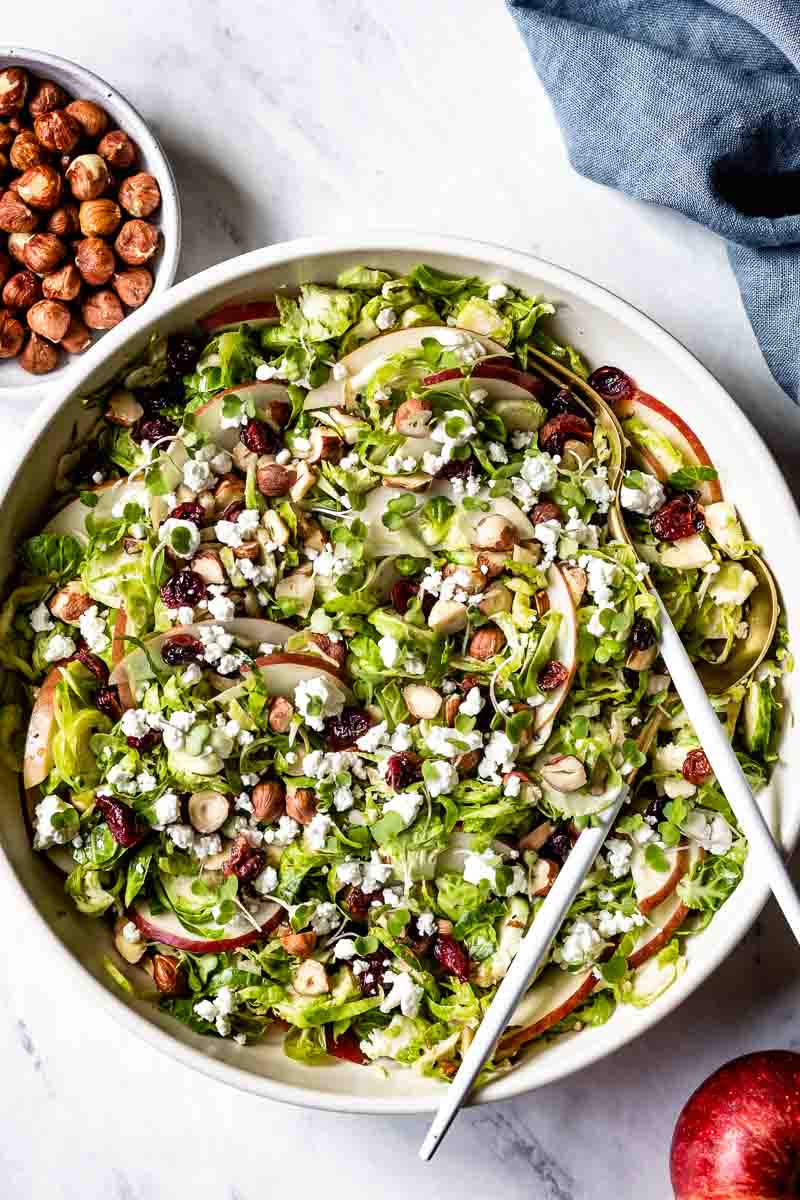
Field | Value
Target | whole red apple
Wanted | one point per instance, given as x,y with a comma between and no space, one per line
738,1136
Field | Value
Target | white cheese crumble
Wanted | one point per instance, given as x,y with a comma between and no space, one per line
645,498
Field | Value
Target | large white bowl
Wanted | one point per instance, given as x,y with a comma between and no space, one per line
17,384
609,331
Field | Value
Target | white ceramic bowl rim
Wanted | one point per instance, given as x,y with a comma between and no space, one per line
357,246
134,124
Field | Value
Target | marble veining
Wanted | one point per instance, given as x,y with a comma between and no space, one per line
331,116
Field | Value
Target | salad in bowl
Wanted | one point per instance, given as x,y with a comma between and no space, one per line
340,629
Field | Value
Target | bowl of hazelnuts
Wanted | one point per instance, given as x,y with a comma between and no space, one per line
90,222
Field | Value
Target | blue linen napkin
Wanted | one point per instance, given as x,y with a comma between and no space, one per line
693,104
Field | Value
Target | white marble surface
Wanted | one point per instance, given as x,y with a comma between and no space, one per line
336,115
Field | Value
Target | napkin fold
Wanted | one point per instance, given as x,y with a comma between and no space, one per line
694,105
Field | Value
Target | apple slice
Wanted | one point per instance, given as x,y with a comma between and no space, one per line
460,844
133,669
71,519
382,542
513,395
361,364
282,673
664,426
664,919
565,647
166,928
38,755
554,995
238,312
208,418
651,886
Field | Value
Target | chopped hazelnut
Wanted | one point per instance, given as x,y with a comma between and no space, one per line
92,119
94,258
136,242
50,319
99,218
117,149
63,284
133,286
102,310
57,131
12,334
39,356
40,187
88,176
43,252
140,194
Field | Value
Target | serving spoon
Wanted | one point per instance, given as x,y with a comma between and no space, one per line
714,739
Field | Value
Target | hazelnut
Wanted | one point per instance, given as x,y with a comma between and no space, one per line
496,599
40,186
70,603
274,480
57,130
88,176
466,763
94,259
136,242
299,945
64,220
63,284
208,810
280,714
423,702
43,252
269,800
12,334
50,319
117,149
102,310
413,417
100,218
39,355
133,286
15,216
229,490
25,151
324,445
77,338
46,97
335,651
206,563
494,533
167,974
22,290
486,642
13,90
564,773
310,979
16,245
537,836
92,119
301,805
140,194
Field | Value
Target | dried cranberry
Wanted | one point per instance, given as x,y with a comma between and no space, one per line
611,383
181,649
357,903
642,634
148,741
552,675
343,731
190,511
123,822
557,846
545,510
244,861
107,701
696,768
451,957
93,664
678,518
152,429
168,393
371,979
459,468
558,430
183,353
402,770
403,592
258,437
185,588
564,402
346,1047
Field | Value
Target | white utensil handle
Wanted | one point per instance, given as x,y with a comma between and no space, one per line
529,957
725,765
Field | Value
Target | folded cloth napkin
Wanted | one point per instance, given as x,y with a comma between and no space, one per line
693,104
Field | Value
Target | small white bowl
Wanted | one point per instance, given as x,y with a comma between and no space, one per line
16,383
609,331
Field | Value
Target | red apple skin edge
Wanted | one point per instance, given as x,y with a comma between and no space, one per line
738,1136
